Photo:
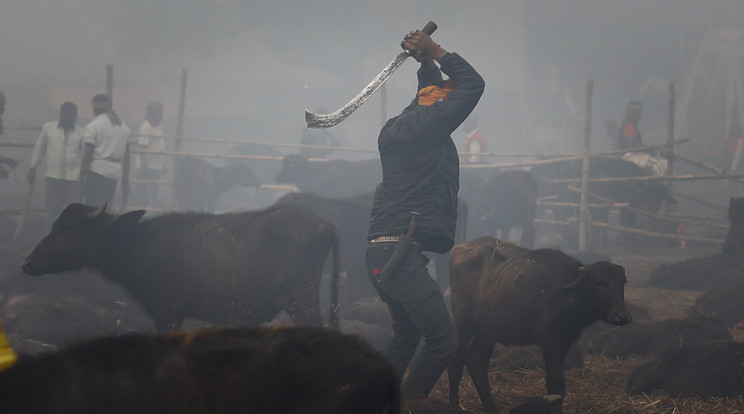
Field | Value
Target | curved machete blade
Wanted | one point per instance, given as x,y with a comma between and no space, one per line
328,120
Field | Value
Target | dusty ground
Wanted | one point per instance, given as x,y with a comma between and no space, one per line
600,386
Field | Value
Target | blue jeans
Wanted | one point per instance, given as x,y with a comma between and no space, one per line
418,309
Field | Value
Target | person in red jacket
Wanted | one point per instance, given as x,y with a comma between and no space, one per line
629,136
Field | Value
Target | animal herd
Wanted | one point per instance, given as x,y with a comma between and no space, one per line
240,269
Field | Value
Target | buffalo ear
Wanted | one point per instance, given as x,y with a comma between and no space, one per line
129,218
100,210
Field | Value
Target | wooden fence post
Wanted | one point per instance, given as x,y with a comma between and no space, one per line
181,107
583,212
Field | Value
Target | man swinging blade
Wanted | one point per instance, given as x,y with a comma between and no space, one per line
420,173
328,120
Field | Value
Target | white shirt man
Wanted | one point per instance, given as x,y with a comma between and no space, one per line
59,145
106,154
150,166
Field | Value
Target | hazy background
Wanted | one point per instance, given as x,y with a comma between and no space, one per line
254,66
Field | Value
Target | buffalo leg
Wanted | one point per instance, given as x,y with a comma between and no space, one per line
454,371
477,362
554,356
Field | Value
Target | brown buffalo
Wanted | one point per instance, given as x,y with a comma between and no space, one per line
515,296
219,371
235,268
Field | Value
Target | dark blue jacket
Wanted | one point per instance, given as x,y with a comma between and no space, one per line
420,165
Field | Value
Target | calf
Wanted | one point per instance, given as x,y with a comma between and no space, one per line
220,371
705,370
235,268
515,296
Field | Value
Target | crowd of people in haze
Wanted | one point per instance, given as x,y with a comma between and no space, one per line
85,164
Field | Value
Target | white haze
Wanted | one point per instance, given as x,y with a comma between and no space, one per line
254,66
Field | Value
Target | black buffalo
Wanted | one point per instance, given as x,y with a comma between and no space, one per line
704,370
647,195
734,242
220,371
350,216
725,306
236,268
709,273
508,200
716,272
653,338
335,178
198,184
515,296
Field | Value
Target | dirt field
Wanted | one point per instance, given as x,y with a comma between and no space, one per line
599,387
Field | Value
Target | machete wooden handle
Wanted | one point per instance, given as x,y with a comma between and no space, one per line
429,28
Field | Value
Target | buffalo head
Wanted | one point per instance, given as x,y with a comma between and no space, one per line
294,166
602,284
76,237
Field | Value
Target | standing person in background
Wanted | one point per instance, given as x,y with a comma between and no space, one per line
106,156
629,136
150,166
2,110
10,162
60,145
420,173
474,141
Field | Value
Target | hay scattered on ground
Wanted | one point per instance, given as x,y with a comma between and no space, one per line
597,388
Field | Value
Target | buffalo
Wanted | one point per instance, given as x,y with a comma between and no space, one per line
198,184
709,273
653,338
335,178
705,370
725,306
515,296
350,216
508,200
220,371
718,272
734,242
649,195
235,268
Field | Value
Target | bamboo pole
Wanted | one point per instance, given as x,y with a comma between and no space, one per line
636,231
110,83
686,177
701,201
670,131
697,163
583,212
221,156
181,108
